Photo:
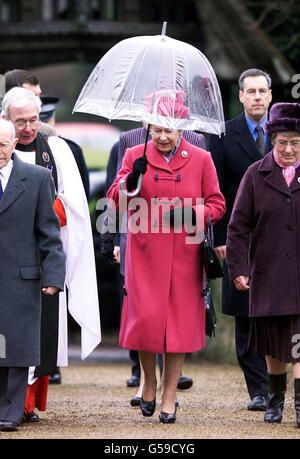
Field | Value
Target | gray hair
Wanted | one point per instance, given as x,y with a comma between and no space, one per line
287,133
19,97
47,129
8,124
253,73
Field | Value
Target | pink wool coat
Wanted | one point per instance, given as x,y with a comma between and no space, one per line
163,303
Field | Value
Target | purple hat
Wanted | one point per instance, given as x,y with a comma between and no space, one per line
283,117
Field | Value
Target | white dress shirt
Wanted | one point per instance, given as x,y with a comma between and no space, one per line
26,156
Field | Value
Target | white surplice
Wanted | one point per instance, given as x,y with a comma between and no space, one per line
77,238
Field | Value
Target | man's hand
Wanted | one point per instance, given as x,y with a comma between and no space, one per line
117,252
241,282
107,250
49,290
221,252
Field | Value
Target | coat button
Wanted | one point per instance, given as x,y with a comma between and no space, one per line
184,154
289,200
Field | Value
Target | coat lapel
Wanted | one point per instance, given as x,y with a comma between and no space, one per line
183,155
274,175
157,160
295,185
245,139
15,185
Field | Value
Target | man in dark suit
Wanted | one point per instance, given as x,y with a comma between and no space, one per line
32,258
244,143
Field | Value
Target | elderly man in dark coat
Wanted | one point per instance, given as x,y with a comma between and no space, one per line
32,259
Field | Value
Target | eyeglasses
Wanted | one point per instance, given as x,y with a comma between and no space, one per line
158,132
21,124
282,144
5,147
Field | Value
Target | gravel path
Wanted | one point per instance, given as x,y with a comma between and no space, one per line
93,402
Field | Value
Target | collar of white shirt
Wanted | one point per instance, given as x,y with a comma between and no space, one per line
5,173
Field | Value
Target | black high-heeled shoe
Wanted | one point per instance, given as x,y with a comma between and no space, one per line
148,408
168,418
136,401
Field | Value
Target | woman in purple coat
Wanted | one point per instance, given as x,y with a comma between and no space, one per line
263,247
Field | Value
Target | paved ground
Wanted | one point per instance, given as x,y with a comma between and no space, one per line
93,403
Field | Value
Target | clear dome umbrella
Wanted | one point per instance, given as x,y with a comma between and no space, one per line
156,80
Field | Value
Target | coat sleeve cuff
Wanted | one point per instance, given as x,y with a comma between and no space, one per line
238,270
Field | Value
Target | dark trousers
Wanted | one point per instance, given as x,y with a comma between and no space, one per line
49,335
135,363
13,389
253,365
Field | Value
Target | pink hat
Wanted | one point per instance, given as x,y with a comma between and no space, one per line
167,103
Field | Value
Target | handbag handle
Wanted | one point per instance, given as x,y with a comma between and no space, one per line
208,233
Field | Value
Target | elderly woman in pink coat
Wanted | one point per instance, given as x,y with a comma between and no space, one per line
164,310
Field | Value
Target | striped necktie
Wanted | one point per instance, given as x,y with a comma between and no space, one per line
260,141
1,190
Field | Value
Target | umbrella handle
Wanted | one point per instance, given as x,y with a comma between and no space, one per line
139,183
136,191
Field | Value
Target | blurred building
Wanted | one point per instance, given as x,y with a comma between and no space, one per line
41,32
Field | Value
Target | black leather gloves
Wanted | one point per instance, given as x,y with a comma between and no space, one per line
139,167
180,216
107,250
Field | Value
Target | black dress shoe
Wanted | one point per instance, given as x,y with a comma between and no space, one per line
55,379
168,418
31,417
184,382
258,403
136,401
148,408
134,381
8,426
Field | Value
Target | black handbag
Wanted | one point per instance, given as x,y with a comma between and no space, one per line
212,265
210,314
